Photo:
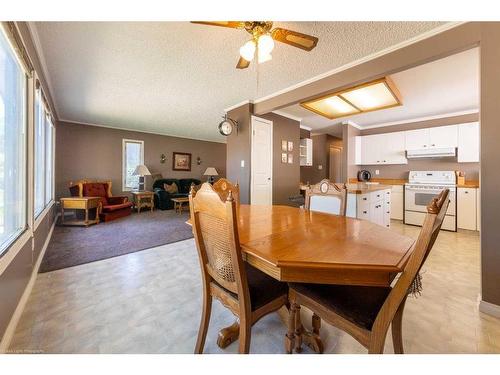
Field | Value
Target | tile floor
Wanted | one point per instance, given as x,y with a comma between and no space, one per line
149,302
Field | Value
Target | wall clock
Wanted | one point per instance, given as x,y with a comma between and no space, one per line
227,126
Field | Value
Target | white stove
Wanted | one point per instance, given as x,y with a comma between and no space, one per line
422,186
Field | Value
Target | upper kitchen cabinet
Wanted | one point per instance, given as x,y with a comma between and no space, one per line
385,148
306,152
439,137
468,143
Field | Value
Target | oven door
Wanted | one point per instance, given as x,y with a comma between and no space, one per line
417,199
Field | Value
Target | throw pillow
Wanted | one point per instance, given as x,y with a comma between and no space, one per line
171,188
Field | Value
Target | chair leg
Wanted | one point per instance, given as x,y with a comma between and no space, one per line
299,330
245,335
290,335
397,332
205,320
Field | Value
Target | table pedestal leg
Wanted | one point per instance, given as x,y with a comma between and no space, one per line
311,339
228,335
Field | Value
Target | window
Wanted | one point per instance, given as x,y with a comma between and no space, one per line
13,85
133,155
44,130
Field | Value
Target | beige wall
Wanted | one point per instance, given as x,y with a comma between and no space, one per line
448,164
93,152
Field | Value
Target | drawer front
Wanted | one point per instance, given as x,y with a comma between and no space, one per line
376,196
363,198
387,196
364,212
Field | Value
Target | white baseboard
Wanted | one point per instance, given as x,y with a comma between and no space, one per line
11,328
489,308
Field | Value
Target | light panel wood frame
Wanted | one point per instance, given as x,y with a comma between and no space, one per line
386,80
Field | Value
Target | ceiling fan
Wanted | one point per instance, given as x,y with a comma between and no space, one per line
263,36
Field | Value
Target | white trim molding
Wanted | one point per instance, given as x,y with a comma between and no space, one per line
305,127
489,308
284,114
11,327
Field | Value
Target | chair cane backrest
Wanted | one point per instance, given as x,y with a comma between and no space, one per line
216,234
223,187
327,197
436,211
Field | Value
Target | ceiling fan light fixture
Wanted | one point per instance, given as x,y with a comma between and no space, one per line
247,51
263,57
266,43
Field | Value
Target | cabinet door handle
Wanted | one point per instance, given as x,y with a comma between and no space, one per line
433,145
364,199
466,192
364,212
425,145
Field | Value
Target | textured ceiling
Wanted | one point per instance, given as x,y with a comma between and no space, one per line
176,78
441,87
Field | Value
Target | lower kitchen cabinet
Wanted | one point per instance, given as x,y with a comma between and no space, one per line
397,202
372,206
467,208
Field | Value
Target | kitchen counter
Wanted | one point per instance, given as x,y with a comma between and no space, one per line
395,181
362,188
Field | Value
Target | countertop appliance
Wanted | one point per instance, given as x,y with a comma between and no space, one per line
364,175
422,186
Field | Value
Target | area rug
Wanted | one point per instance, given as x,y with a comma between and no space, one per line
71,246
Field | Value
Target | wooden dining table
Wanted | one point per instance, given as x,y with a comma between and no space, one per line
295,245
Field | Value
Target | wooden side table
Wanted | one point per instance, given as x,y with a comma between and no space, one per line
179,204
143,199
80,203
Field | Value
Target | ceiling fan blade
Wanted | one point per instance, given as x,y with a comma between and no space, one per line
294,38
231,24
242,63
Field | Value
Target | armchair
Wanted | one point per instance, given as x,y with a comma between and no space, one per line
111,207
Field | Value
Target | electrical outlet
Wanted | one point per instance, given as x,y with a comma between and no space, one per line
243,164
377,172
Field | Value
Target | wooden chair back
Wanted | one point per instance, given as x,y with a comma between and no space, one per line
216,234
436,211
76,187
223,187
325,191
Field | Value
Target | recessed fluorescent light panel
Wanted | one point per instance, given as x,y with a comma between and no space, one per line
372,96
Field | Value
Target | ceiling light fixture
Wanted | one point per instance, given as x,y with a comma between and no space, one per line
247,51
262,45
371,96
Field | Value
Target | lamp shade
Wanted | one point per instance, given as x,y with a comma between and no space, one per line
141,170
211,171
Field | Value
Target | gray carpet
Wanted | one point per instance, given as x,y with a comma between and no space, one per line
71,246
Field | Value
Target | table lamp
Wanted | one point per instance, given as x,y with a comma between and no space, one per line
211,172
141,171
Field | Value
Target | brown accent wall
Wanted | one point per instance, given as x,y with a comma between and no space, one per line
286,177
84,151
448,164
238,149
321,157
349,134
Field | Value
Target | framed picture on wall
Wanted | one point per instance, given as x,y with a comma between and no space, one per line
181,161
283,158
283,146
290,159
290,146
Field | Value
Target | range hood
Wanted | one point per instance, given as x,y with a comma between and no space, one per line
431,153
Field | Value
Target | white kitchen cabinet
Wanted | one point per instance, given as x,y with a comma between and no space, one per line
443,136
380,149
466,208
416,139
306,152
374,206
438,137
468,143
397,202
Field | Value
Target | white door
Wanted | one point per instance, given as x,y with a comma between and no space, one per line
468,143
417,139
443,136
262,162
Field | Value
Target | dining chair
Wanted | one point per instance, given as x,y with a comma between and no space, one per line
223,187
327,197
366,312
247,292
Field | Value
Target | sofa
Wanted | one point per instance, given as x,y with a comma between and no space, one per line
111,207
163,199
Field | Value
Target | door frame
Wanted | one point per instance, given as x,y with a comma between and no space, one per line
270,123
